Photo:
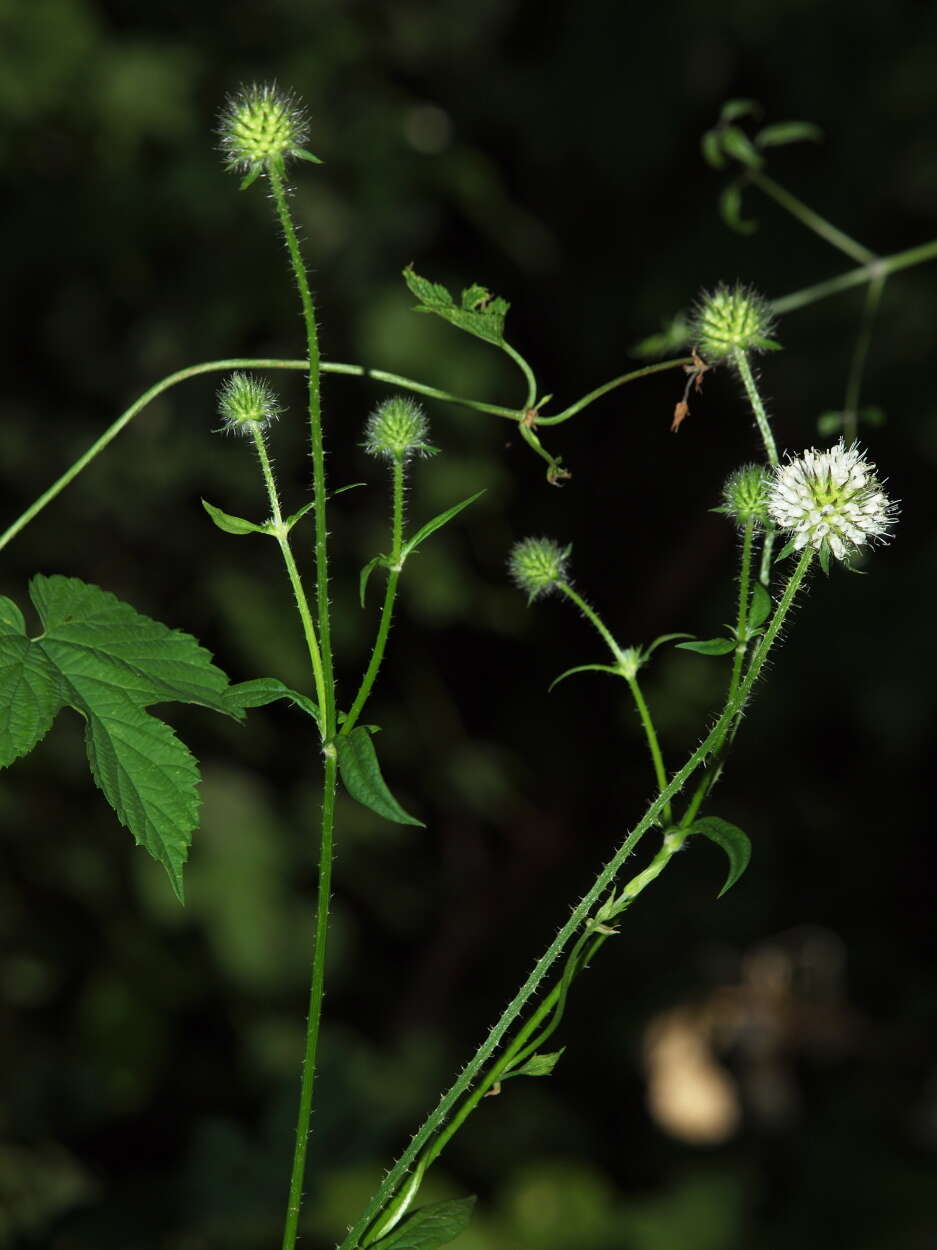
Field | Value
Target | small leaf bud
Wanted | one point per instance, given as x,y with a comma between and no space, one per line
397,429
536,565
247,405
731,319
745,495
261,124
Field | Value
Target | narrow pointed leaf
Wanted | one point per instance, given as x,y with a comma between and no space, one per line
584,668
298,515
738,145
264,690
733,841
787,550
305,156
712,149
732,110
538,1065
480,312
730,208
366,573
361,776
788,132
437,523
760,608
429,1227
231,524
659,642
710,646
249,179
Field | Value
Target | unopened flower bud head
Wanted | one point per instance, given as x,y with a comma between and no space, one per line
260,125
745,495
397,429
831,501
247,405
731,319
537,565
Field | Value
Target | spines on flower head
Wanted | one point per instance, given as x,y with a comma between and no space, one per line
731,319
831,501
397,429
262,125
745,495
247,404
538,565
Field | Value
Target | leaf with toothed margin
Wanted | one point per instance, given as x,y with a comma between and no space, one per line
362,778
480,313
429,1227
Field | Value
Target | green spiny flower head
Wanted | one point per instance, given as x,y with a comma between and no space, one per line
731,319
246,404
745,495
261,125
536,565
397,429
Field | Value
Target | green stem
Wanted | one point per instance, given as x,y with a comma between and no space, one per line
812,220
881,268
419,388
593,617
740,359
578,916
299,593
644,372
650,734
712,771
330,773
387,611
873,297
316,995
527,372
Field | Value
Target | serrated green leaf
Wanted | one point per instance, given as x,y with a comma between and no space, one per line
232,524
429,1227
712,149
736,143
788,132
109,662
732,110
710,646
366,573
361,775
584,668
437,523
730,209
760,607
733,841
263,690
11,618
538,1065
480,313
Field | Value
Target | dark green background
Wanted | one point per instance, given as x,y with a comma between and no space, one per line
150,1055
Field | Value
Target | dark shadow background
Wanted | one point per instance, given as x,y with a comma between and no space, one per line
786,1034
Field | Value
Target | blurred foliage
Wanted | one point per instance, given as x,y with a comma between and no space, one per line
551,152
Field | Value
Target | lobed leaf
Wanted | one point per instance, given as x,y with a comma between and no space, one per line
733,841
429,1227
361,775
480,313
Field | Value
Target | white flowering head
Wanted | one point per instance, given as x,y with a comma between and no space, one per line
831,501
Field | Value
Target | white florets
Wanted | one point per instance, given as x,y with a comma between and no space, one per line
830,500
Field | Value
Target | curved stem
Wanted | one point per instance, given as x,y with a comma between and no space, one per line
593,617
527,372
578,916
387,611
873,297
740,359
644,372
299,593
812,220
650,734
